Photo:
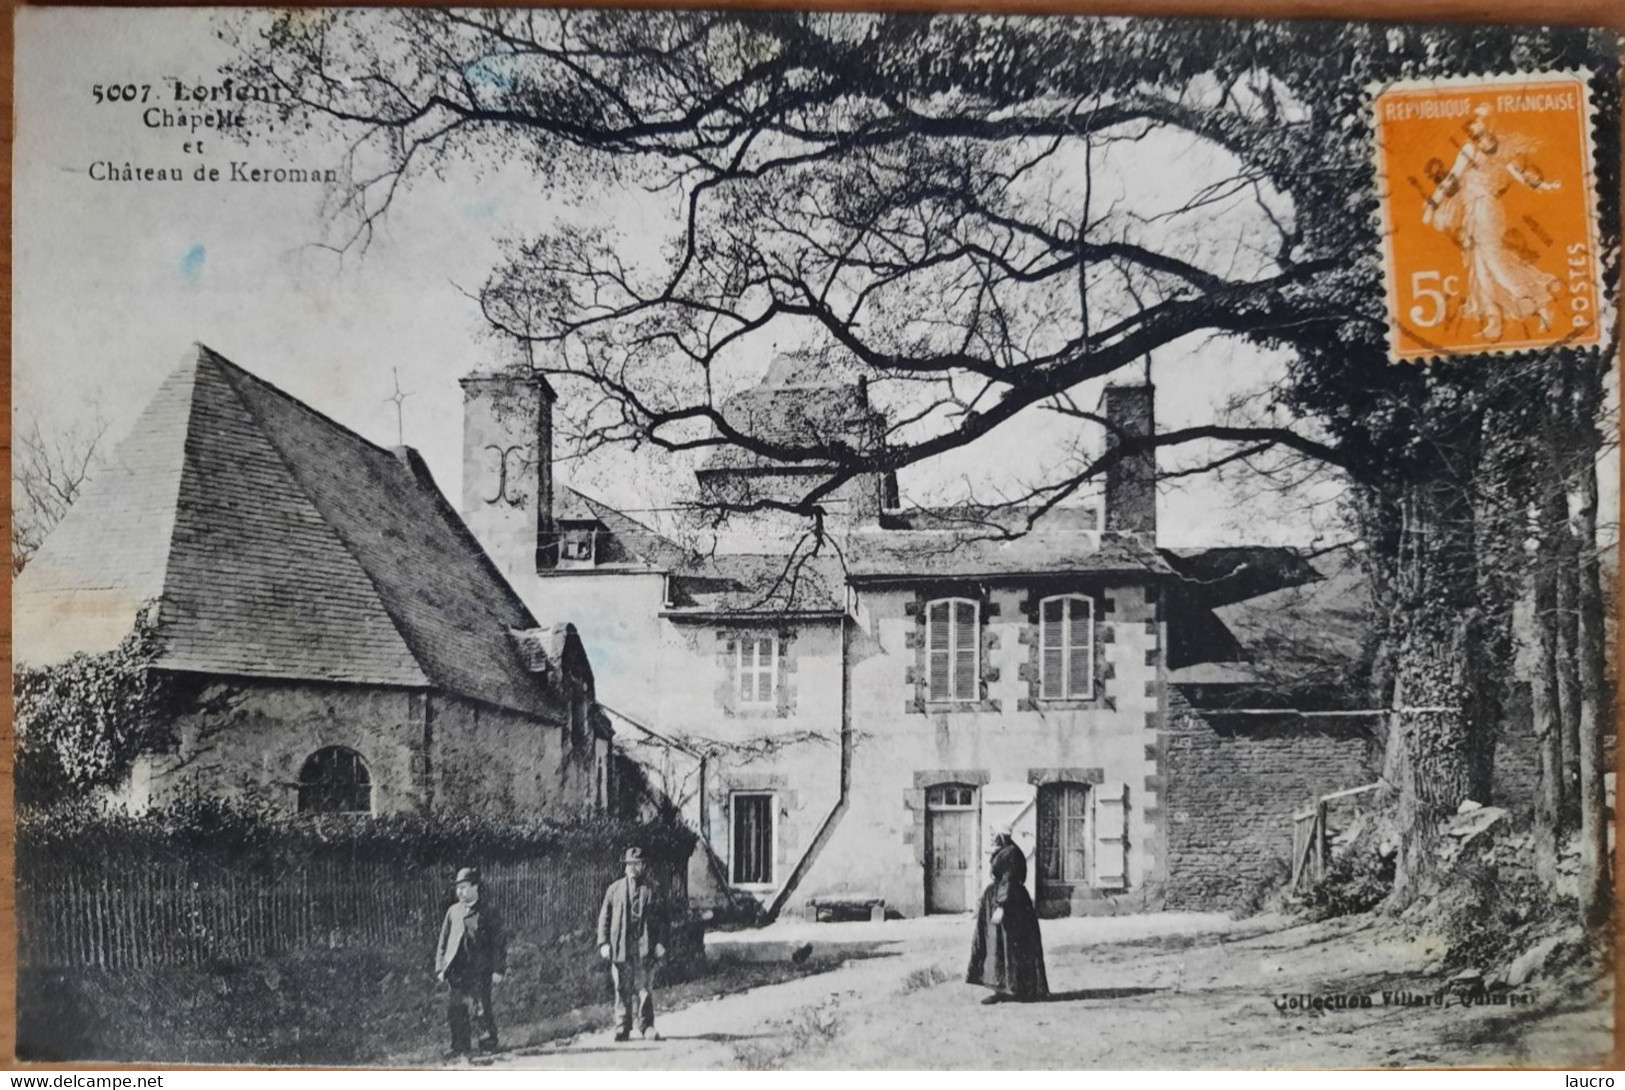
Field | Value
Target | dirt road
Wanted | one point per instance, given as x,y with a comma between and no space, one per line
1162,991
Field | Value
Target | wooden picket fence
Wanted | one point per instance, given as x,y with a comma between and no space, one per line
126,914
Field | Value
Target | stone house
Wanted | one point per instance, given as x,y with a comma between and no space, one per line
861,726
349,646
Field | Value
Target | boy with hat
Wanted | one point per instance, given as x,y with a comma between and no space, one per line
472,956
631,937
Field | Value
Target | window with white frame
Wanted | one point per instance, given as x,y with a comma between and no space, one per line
752,856
1066,647
952,649
578,545
757,671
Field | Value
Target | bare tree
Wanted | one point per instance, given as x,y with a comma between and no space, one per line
47,473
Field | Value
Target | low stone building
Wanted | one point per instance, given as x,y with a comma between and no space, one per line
345,643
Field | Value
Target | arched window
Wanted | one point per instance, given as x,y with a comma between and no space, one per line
335,781
953,650
1066,642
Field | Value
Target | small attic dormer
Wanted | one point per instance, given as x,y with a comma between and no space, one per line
579,539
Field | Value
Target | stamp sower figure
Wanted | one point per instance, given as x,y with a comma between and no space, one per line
1502,284
472,955
1007,928
631,937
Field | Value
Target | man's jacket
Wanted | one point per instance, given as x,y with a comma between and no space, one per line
631,922
471,941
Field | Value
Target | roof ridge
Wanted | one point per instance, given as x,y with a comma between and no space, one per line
231,371
303,406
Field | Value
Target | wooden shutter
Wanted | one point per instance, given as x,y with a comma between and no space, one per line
1110,819
1080,648
767,662
938,654
1052,651
965,651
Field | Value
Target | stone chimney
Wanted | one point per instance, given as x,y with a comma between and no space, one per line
508,468
1131,484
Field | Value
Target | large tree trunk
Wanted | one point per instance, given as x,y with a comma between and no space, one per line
1547,716
1559,555
1435,675
1501,530
1596,885
1435,763
1567,624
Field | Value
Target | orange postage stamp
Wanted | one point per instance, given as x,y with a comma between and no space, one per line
1488,214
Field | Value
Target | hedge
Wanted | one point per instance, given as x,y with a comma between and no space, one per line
212,831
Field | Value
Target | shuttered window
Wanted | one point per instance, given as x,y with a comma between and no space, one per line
752,839
953,650
1066,643
1110,818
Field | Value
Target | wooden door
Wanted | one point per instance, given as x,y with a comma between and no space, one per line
951,839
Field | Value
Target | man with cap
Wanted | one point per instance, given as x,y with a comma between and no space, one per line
472,955
631,937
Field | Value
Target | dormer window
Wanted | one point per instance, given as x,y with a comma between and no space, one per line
578,545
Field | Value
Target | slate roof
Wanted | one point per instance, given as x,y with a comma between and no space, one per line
106,559
1209,578
1307,635
946,546
1313,628
1213,577
278,544
757,583
882,555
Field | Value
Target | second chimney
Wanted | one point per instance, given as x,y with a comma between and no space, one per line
1131,483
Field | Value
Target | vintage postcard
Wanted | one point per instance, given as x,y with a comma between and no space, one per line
552,538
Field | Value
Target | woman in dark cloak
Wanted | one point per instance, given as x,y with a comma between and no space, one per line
1007,929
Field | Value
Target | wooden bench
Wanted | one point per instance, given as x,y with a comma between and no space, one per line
874,907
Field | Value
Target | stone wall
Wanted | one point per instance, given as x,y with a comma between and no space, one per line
255,735
1004,745
1231,788
423,752
496,763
